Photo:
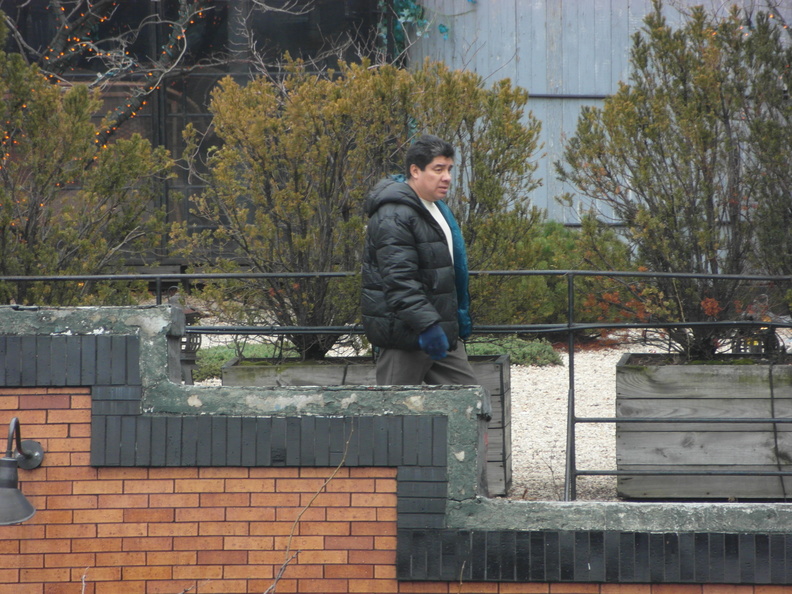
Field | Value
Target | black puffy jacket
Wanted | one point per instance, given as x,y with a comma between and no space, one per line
408,274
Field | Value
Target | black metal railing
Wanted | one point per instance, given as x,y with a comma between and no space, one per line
160,282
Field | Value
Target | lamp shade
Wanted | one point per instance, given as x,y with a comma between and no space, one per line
14,508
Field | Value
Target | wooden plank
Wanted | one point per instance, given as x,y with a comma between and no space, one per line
707,448
730,408
703,381
703,487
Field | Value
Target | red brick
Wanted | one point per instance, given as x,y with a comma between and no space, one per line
250,486
352,514
249,572
147,543
96,574
171,586
349,571
323,586
198,572
373,500
253,514
271,528
326,499
111,474
524,588
374,586
385,486
198,543
46,402
123,501
175,500
120,559
373,557
105,516
223,529
175,529
265,500
373,528
171,558
202,514
19,561
222,557
479,588
249,543
148,515
626,589
424,587
225,500
22,531
69,474
125,587
681,589
44,545
69,560
71,531
349,542
149,486
72,502
574,589
71,444
351,486
325,528
299,485
73,417
387,543
46,487
290,514
46,516
97,545
146,572
122,530
198,486
21,589
230,587
58,574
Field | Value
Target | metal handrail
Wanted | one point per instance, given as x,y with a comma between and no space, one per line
571,328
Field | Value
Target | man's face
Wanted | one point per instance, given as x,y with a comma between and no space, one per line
433,182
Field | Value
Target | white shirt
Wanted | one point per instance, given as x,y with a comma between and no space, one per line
438,216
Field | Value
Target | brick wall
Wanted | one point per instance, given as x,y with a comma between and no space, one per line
222,530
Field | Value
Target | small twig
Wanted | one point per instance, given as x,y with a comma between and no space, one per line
289,555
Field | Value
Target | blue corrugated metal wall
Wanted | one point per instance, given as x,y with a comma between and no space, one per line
566,53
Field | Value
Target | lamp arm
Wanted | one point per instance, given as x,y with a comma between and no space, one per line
30,453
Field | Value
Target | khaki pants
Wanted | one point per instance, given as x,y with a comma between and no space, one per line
396,367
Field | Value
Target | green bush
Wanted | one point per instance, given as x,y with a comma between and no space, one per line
210,360
520,351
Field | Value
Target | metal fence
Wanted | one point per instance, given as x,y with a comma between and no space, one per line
571,328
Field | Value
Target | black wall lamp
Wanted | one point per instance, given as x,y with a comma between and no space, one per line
14,507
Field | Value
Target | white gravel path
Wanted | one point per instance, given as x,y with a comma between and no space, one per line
539,417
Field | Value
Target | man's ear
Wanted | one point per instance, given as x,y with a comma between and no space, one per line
414,170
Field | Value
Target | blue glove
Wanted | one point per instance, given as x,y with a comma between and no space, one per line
434,342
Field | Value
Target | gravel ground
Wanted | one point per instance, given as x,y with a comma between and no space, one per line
539,409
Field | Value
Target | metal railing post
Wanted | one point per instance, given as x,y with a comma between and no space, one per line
570,474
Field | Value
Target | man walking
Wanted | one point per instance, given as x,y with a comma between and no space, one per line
415,278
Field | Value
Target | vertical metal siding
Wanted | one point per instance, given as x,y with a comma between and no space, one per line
566,53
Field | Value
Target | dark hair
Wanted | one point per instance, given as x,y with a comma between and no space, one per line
425,149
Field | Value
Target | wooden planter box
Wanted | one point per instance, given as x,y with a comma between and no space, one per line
646,387
493,372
